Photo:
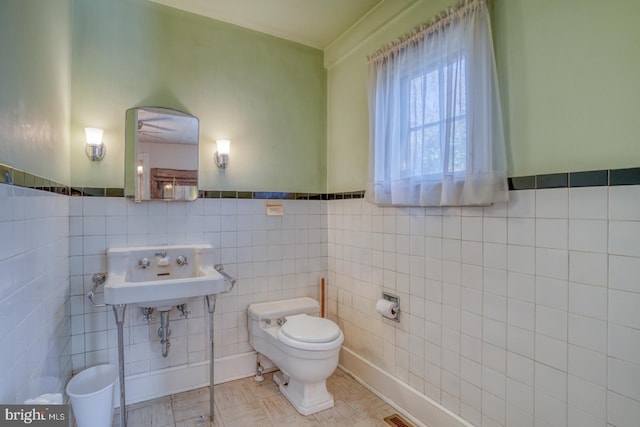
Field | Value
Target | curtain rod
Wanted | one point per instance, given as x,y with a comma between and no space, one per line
440,20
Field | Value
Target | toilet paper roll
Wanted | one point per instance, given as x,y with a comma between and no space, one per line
387,308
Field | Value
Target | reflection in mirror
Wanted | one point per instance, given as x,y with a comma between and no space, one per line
161,159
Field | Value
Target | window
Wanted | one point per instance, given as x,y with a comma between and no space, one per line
436,129
427,121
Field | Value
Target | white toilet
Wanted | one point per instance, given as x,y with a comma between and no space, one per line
304,346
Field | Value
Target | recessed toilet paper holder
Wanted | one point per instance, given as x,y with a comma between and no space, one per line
396,300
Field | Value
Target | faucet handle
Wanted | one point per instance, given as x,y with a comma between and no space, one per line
185,312
147,313
144,263
182,260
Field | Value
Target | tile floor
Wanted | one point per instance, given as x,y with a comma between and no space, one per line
246,403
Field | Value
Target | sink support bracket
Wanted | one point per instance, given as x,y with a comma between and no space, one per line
211,306
118,311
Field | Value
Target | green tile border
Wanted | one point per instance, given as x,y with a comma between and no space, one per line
629,176
552,180
115,192
6,176
17,178
20,178
596,178
589,179
522,183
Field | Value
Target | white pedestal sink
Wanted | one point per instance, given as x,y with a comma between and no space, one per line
161,276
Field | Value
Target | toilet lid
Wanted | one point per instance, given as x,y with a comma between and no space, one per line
304,328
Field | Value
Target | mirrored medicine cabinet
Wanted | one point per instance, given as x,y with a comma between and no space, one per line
161,155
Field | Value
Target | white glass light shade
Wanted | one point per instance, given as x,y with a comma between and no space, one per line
94,149
223,146
94,136
221,156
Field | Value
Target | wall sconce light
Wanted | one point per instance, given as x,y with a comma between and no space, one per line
95,149
222,155
140,184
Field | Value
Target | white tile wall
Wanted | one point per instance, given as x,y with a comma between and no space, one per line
272,257
35,326
529,313
521,314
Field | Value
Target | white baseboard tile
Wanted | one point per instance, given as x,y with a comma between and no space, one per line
418,408
151,385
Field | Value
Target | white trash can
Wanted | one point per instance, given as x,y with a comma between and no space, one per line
92,395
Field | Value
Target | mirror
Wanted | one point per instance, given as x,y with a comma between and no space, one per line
161,154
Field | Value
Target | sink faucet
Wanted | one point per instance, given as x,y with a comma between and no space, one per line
162,253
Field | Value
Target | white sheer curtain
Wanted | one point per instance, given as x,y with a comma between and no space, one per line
435,118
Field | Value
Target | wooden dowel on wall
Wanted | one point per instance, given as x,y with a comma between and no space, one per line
322,298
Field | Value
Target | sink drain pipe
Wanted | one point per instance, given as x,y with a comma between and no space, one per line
164,331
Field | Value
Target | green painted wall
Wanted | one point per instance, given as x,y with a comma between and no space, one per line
35,55
567,71
267,95
569,75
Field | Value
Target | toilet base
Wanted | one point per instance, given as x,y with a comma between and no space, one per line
307,398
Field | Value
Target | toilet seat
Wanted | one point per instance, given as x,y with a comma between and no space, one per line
310,333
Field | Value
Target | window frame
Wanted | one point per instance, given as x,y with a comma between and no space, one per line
405,115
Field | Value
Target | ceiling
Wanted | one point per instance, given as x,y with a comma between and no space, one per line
315,23
164,126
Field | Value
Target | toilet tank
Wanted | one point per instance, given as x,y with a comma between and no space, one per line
281,308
